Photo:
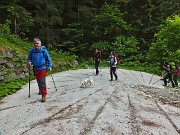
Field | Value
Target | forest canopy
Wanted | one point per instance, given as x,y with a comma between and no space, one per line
133,28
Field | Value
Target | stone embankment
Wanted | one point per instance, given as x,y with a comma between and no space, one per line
12,65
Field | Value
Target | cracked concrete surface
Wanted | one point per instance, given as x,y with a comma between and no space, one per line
136,104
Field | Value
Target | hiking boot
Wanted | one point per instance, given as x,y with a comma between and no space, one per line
43,99
111,80
116,79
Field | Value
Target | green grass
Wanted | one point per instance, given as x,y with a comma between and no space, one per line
11,87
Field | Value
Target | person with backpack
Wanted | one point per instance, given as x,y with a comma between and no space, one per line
168,75
97,58
163,70
39,59
113,62
175,75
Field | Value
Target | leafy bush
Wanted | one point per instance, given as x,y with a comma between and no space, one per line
166,46
11,87
126,47
144,67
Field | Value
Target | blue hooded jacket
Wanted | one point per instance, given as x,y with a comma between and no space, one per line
40,58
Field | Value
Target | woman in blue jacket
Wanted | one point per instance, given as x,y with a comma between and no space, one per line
39,58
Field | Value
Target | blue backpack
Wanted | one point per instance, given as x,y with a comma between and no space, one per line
43,52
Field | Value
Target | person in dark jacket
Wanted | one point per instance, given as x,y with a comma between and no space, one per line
97,58
113,63
168,74
39,59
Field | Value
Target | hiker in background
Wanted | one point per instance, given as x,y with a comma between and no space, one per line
163,70
39,59
175,75
113,62
168,74
97,58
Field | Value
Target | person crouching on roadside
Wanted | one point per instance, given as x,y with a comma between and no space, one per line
39,58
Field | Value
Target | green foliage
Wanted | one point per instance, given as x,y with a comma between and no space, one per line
144,67
11,41
4,28
109,23
61,59
126,46
21,19
105,46
166,46
11,87
110,29
68,25
47,16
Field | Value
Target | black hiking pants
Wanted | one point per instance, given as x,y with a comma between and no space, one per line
168,76
97,66
113,72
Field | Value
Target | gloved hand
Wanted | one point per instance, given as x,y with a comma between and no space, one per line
30,64
50,69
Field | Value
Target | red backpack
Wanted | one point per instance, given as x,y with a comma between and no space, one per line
117,57
101,53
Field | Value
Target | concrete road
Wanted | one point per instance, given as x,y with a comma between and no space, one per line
106,108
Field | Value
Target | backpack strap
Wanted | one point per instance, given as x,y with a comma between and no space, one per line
43,51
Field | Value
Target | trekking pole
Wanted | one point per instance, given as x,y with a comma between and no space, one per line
54,82
93,68
29,83
99,71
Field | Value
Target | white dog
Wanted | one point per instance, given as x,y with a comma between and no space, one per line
87,82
